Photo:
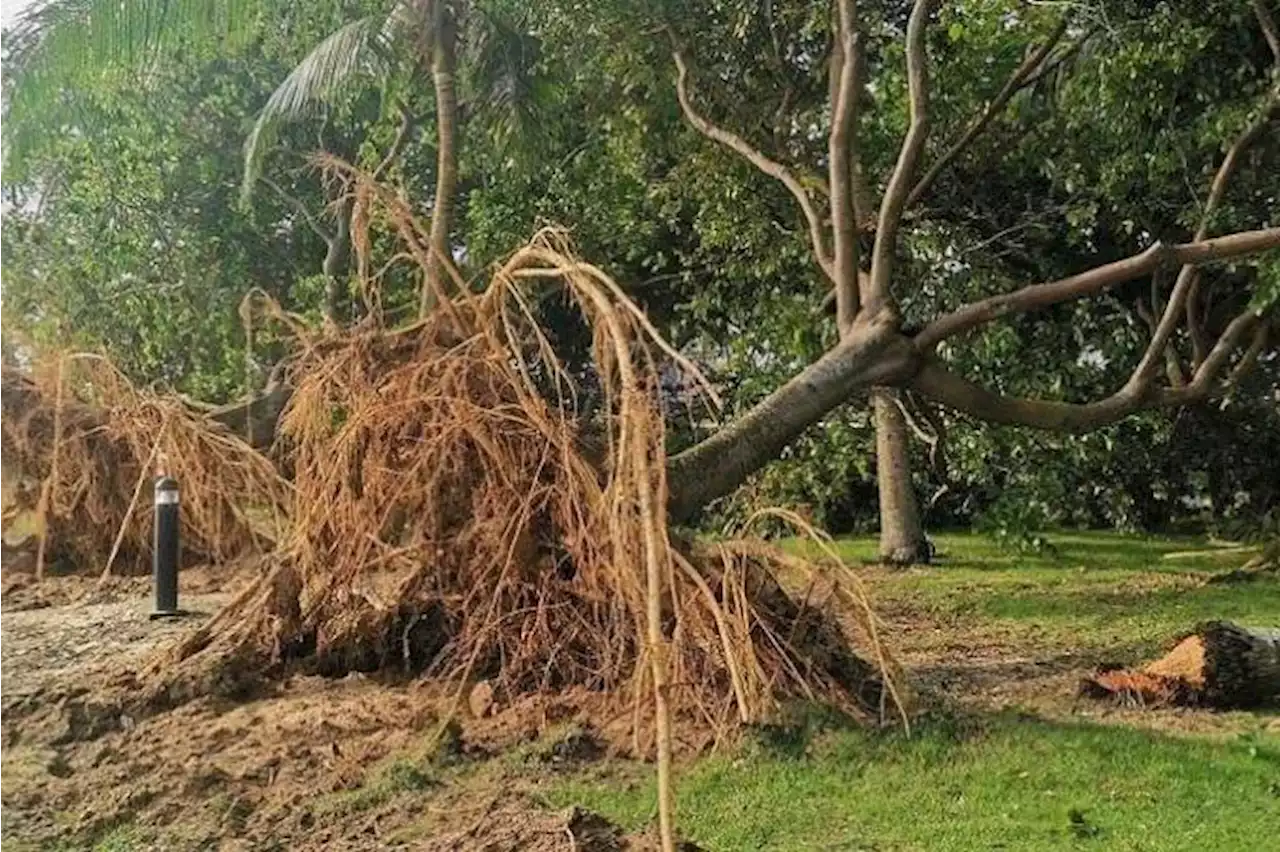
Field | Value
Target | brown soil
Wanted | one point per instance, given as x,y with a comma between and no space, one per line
352,763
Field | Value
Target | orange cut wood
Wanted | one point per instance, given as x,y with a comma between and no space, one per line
1185,661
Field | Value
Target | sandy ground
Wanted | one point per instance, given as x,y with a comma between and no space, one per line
300,768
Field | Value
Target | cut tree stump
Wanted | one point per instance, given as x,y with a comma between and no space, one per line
1220,665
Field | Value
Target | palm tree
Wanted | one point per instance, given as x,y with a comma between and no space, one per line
57,44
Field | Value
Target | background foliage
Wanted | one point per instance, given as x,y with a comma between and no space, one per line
125,230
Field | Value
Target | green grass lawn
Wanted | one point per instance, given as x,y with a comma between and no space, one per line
1096,590
1003,782
1001,779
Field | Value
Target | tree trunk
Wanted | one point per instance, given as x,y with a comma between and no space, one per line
869,354
336,260
902,539
443,62
1221,665
255,418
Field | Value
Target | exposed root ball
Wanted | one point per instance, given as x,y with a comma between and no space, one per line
448,522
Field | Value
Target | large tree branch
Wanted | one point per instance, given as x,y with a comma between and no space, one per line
770,167
937,382
1250,356
869,353
1172,366
1031,70
895,196
954,391
1018,80
844,69
1096,280
1189,277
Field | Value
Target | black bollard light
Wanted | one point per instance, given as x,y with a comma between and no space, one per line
164,556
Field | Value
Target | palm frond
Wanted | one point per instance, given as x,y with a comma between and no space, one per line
502,76
56,47
341,65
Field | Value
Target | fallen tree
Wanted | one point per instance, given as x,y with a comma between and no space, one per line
449,522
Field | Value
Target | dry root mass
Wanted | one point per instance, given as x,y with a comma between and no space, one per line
456,512
81,446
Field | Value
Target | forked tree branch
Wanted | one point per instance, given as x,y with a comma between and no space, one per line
1269,108
1034,68
742,147
940,384
845,64
895,196
1232,337
1021,77
937,382
956,392
1096,280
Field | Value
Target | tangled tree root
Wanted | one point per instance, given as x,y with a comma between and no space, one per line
449,521
81,445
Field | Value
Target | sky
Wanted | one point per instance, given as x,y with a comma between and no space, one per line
9,9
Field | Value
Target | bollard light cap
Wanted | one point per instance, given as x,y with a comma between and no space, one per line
166,491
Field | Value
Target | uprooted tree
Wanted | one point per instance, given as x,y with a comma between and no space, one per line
447,517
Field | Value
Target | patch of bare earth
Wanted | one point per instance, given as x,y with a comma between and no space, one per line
317,763
311,765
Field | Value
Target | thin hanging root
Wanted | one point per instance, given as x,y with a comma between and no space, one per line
51,481
739,690
857,601
143,475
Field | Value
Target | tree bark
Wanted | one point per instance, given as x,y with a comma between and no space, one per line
336,260
901,532
870,353
443,65
255,419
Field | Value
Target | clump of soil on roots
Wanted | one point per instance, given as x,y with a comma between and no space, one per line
450,522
